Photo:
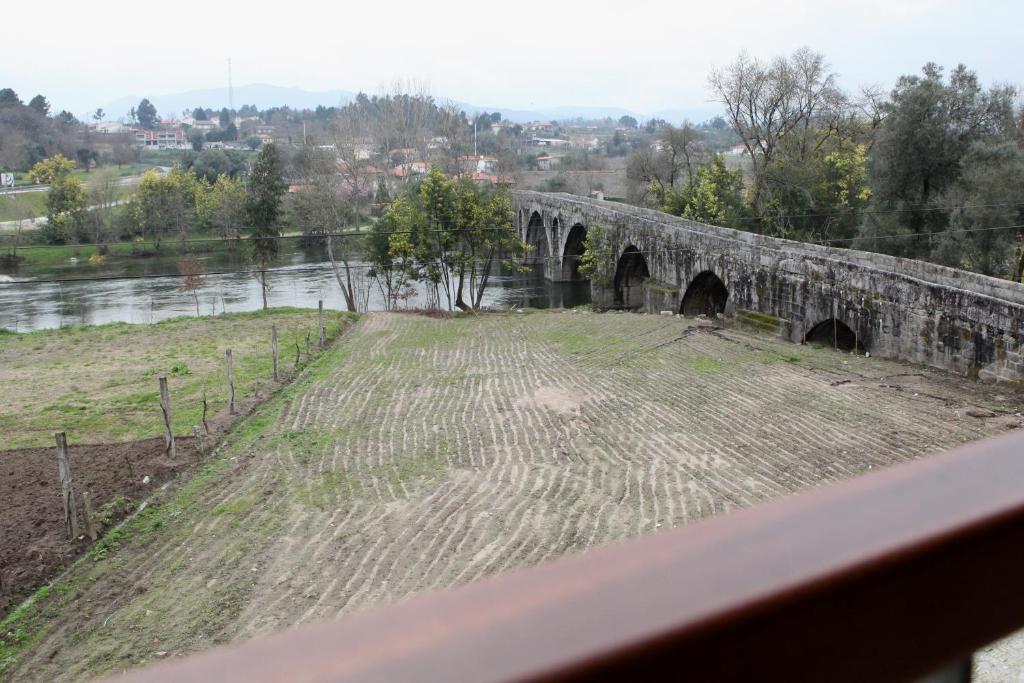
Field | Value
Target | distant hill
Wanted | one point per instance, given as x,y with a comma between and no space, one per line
265,96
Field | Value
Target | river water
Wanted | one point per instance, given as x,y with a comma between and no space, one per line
300,279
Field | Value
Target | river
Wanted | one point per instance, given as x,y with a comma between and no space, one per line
301,278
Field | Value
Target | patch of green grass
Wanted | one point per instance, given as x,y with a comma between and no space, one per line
235,506
112,509
180,368
439,333
114,369
761,322
706,365
22,206
16,630
305,443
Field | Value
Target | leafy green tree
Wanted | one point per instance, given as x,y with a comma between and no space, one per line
716,196
391,251
67,119
212,163
930,125
597,263
145,113
46,171
40,104
66,208
265,189
482,231
627,121
988,196
66,200
197,139
163,205
86,157
9,98
221,205
434,240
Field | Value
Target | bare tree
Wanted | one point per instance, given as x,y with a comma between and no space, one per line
102,198
683,149
192,269
322,207
768,103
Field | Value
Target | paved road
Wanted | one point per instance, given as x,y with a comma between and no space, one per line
38,221
25,189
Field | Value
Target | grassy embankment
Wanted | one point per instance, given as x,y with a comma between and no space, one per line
23,206
100,383
124,253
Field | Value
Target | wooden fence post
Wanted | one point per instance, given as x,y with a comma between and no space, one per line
165,406
273,347
197,435
231,383
66,487
323,330
90,517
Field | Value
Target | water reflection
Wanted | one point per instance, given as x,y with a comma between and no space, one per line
302,278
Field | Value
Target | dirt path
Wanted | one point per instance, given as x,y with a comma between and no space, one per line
420,454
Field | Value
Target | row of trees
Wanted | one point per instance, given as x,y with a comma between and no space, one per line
934,170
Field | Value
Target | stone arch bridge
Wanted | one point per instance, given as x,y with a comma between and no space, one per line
888,306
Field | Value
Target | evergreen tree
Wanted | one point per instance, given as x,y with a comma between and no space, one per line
265,189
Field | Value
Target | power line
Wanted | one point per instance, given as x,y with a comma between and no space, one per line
882,212
868,238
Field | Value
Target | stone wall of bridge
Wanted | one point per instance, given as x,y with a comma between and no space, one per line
892,307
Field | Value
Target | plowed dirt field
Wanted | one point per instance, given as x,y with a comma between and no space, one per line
421,453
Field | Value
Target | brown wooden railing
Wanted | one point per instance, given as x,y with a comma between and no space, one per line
889,576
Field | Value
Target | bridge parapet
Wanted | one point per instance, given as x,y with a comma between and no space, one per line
892,307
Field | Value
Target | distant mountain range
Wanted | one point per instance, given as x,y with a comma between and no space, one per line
265,96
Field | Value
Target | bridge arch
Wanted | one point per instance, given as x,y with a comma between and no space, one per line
706,295
537,238
573,252
631,272
836,334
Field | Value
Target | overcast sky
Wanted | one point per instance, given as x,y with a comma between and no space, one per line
638,54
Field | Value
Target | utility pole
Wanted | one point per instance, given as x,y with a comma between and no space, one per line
474,136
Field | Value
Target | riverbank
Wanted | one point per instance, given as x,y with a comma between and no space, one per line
100,386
